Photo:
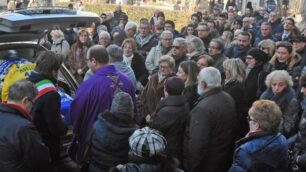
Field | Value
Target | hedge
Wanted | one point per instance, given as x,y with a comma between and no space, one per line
135,13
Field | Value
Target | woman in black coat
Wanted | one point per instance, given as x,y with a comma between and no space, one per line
188,72
234,85
255,74
136,61
171,117
280,90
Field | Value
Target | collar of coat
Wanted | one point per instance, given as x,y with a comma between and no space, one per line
15,108
210,92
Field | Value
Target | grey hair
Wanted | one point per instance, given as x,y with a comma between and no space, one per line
279,75
130,25
22,89
104,33
166,32
180,41
101,28
211,76
115,53
198,44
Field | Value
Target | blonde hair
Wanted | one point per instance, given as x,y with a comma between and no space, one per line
168,59
56,34
130,41
228,38
234,70
269,44
279,75
268,115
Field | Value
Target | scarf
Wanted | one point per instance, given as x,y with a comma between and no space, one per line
142,41
248,70
282,100
280,66
238,51
128,60
164,50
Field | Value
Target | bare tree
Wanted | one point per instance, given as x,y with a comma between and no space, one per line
303,12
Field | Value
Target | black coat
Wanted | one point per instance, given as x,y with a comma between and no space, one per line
110,144
289,106
191,95
47,118
212,128
139,68
299,145
170,118
237,91
22,149
254,84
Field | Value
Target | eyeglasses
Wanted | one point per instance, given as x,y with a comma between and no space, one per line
163,67
250,119
176,47
167,39
212,47
263,48
249,58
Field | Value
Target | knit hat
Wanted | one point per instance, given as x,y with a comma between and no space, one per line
303,80
258,54
147,142
122,103
174,86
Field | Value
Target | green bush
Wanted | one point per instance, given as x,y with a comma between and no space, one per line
135,13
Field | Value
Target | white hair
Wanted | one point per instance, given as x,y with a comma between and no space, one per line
211,76
130,25
102,33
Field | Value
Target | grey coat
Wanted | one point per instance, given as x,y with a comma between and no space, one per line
60,46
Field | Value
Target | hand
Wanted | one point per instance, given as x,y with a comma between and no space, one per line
148,118
80,71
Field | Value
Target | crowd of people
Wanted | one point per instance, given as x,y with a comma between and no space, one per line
226,93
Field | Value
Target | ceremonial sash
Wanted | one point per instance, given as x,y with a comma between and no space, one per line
44,87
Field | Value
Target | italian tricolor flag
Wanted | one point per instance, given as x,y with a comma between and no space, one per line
44,87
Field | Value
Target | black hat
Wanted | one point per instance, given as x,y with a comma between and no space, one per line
300,38
258,54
